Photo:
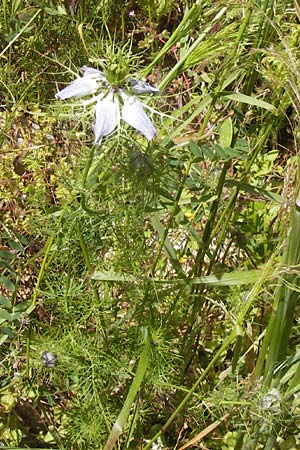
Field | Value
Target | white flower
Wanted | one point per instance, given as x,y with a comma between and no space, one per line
113,105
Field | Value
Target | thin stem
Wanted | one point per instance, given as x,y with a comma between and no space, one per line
206,239
4,11
90,167
180,31
236,331
121,421
275,344
20,33
42,270
178,66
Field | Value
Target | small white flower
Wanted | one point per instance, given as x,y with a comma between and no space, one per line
114,104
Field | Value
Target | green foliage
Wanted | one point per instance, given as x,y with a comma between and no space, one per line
162,275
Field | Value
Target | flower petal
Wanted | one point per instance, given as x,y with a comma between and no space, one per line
141,87
107,116
93,73
79,88
133,113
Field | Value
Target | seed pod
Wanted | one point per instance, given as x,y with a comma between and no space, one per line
48,359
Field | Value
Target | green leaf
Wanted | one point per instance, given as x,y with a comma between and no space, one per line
242,98
236,278
220,151
5,264
167,244
3,338
15,245
208,152
233,76
104,275
196,150
254,190
7,331
60,11
22,239
5,315
6,254
7,283
233,153
21,307
201,106
5,302
225,135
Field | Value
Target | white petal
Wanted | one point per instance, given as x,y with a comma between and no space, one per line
142,87
78,88
133,113
107,116
93,73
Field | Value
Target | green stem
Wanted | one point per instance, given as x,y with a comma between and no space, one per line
121,421
206,239
275,343
178,66
180,31
32,306
261,35
225,217
20,33
210,233
90,168
184,178
44,264
88,264
4,11
242,29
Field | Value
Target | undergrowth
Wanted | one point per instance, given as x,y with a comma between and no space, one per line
149,287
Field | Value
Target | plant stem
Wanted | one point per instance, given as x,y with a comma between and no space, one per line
275,343
121,421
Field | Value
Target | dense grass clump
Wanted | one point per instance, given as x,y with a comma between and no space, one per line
149,248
